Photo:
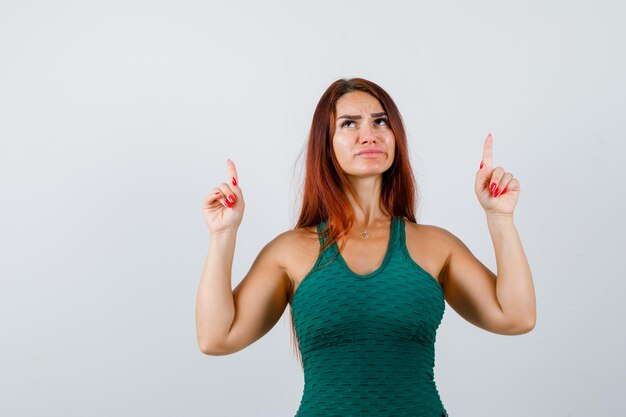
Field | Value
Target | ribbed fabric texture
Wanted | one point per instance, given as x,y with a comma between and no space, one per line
368,341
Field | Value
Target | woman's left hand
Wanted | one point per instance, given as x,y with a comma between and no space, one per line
496,189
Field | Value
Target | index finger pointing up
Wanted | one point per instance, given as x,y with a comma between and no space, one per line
232,171
487,150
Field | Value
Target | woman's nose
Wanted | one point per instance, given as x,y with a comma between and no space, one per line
367,133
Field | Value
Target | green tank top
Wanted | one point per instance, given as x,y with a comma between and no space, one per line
368,341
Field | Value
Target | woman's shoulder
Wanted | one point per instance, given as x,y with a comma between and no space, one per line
429,230
293,242
296,235
296,250
429,246
436,237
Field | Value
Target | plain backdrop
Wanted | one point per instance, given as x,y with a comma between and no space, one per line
117,117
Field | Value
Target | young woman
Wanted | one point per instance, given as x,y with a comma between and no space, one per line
366,283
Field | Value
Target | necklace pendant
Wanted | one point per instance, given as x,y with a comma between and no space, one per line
365,234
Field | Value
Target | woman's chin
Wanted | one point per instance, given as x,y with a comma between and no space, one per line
367,171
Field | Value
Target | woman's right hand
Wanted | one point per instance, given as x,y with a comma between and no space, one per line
223,208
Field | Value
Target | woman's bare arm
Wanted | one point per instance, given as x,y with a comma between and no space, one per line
215,307
230,320
502,304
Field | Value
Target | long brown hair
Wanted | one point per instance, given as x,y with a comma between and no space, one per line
324,197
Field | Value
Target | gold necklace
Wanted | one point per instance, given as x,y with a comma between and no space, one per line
363,232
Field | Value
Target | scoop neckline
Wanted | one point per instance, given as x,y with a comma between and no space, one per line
392,235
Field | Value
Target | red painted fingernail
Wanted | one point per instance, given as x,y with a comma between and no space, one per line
226,203
217,192
495,193
492,187
234,181
481,164
231,198
504,191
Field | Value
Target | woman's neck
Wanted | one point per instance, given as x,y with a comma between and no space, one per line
366,207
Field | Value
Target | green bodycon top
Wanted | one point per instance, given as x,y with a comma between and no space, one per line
368,341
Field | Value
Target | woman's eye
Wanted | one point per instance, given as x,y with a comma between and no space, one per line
380,122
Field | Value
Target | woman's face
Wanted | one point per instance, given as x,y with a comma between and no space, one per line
363,142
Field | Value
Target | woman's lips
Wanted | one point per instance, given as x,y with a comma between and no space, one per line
370,154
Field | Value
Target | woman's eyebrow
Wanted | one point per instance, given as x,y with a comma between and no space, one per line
347,116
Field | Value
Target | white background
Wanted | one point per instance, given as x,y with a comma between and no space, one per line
116,119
